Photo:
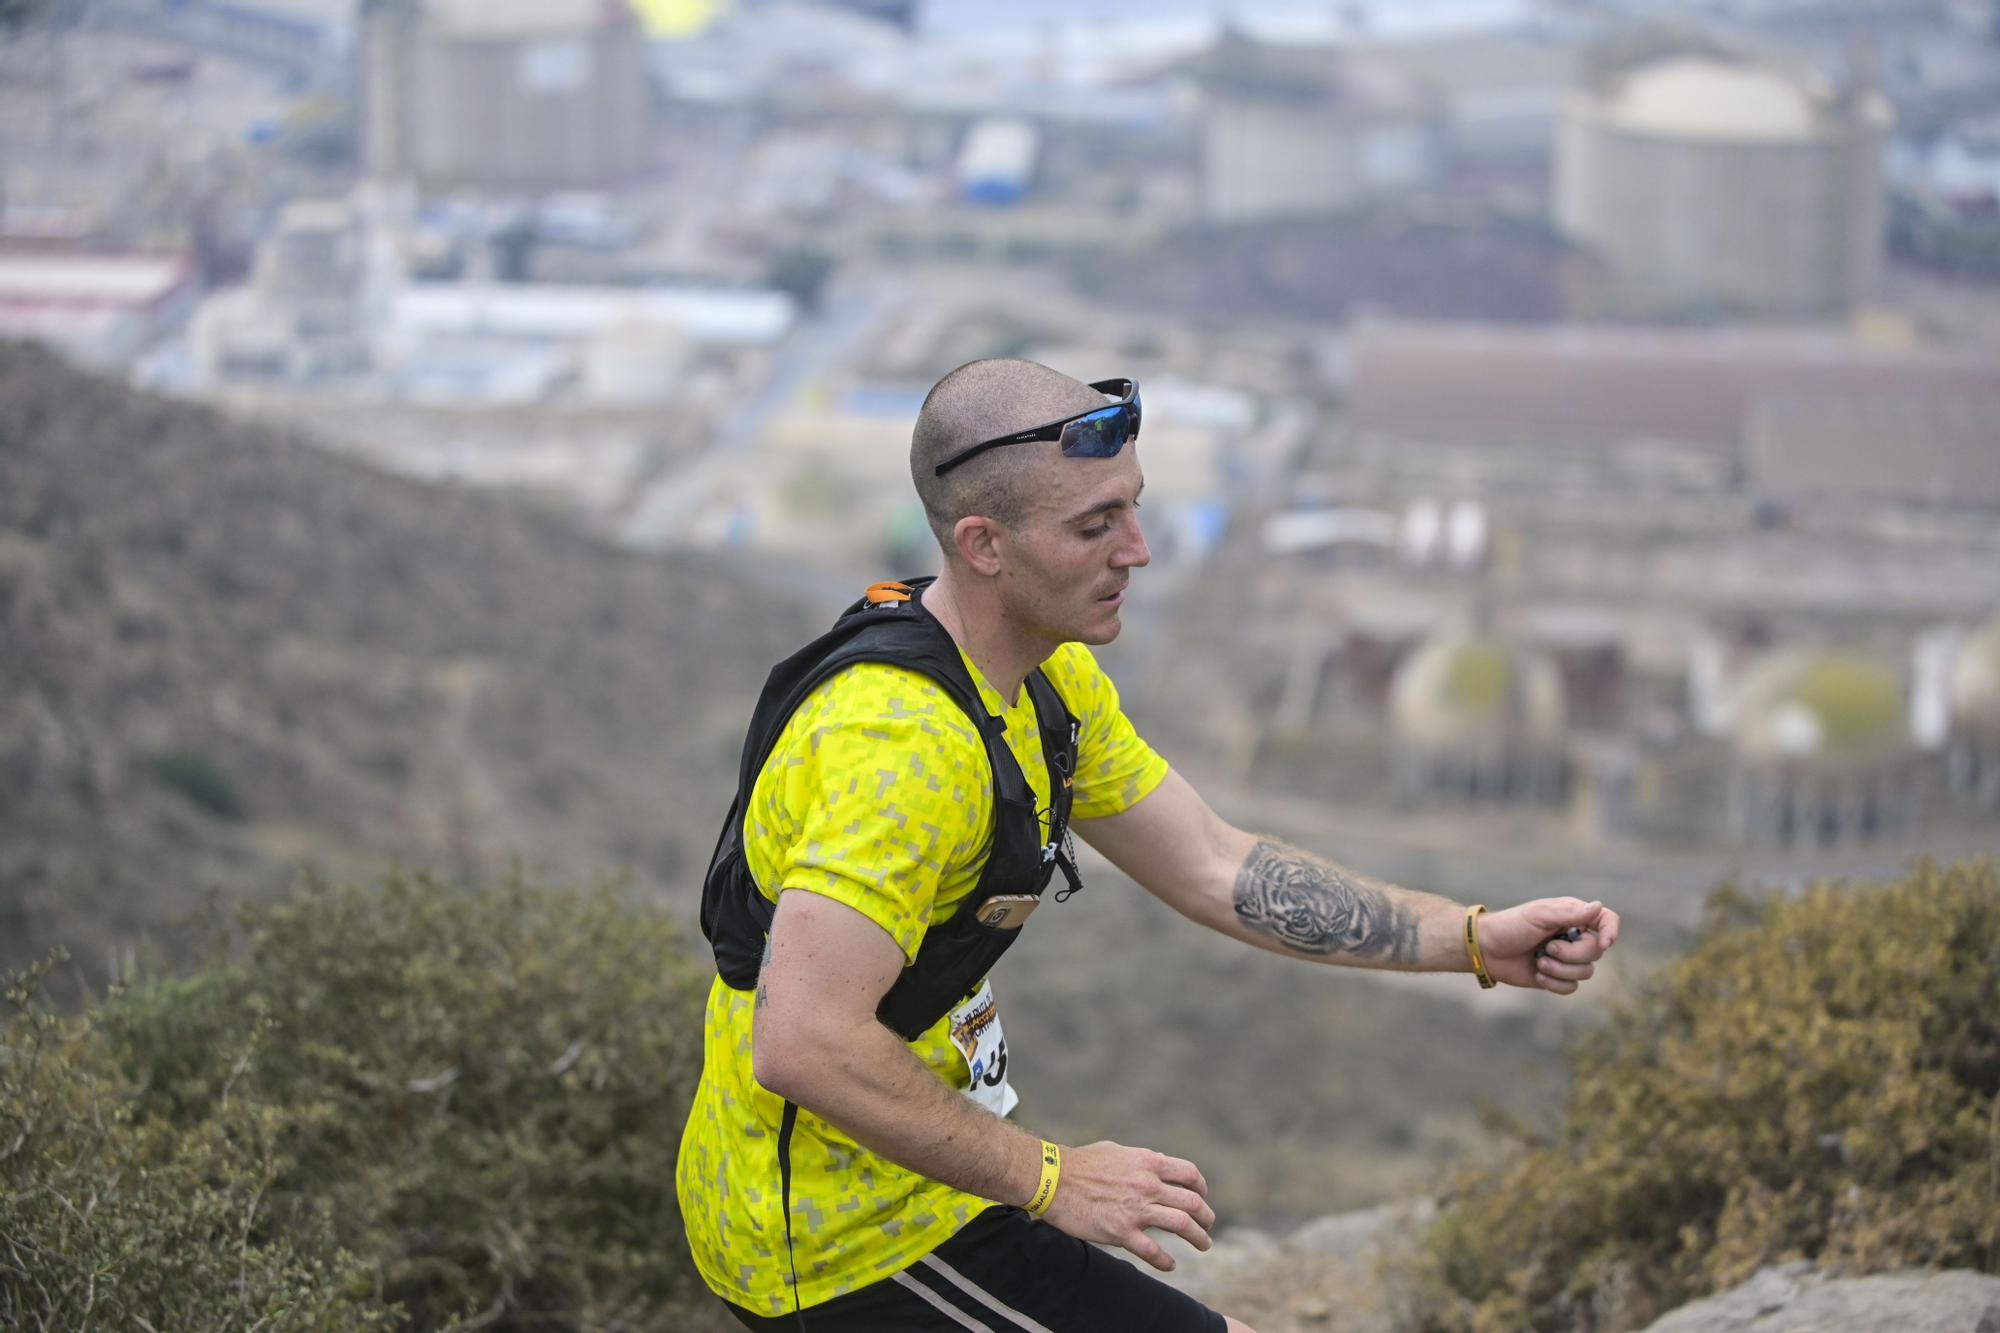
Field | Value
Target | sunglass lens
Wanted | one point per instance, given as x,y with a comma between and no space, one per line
1099,435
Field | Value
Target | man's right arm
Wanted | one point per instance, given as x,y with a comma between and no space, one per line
816,1042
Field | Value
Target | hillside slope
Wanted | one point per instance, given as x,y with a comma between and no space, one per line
224,654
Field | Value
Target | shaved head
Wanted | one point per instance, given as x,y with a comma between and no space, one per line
978,401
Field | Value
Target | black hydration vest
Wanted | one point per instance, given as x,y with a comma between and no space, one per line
889,625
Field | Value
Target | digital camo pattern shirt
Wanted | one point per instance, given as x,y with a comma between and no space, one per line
878,795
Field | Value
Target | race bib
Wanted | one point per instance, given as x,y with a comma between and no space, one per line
975,1030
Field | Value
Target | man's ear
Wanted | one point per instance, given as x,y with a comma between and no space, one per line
977,539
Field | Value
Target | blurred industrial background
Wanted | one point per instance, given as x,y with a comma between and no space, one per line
1572,437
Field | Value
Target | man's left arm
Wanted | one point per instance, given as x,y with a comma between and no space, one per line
1288,901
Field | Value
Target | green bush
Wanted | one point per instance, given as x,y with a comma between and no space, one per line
110,1218
476,1096
1819,1078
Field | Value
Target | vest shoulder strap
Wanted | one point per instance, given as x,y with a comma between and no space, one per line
891,631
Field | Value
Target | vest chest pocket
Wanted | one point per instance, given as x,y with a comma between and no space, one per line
956,955
1018,860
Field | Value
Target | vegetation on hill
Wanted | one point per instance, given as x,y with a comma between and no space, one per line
409,1107
418,1107
1818,1078
224,654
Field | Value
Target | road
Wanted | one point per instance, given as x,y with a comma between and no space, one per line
852,310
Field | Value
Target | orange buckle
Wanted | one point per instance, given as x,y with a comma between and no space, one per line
888,591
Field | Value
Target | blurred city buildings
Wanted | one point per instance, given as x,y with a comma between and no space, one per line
1584,412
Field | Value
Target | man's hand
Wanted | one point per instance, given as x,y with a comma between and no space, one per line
1508,940
1111,1194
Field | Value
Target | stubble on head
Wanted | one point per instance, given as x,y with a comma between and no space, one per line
979,401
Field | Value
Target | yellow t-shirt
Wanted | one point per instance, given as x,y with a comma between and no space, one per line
879,795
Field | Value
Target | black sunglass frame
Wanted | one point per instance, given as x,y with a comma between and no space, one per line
1127,390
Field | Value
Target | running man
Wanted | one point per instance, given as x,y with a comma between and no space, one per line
908,789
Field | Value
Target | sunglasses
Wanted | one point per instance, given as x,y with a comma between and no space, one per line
1098,433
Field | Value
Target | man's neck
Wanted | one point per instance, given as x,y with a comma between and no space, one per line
972,616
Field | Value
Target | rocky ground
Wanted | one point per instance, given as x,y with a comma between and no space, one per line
1327,1276
1796,1298
1337,1275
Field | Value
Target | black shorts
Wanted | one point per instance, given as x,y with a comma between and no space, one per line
1006,1272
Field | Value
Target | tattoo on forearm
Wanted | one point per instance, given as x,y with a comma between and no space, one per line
763,991
1310,907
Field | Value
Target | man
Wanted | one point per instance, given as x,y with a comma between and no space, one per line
847,1164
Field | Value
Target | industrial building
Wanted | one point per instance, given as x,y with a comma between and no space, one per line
1939,448
304,317
101,309
526,95
1718,188
1635,722
1302,130
1795,412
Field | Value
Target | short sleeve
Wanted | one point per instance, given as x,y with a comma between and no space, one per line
876,792
1115,768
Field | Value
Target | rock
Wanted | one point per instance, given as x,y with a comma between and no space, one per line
1359,1234
1198,1273
1793,1298
1321,1278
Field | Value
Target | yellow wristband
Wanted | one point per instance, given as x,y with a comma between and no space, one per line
1486,982
1045,1192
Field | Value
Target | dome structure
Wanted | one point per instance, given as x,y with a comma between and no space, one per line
1697,97
1476,718
1469,693
1823,710
1712,184
1824,753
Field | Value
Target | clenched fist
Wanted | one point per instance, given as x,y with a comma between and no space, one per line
1509,941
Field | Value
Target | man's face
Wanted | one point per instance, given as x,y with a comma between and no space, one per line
1065,566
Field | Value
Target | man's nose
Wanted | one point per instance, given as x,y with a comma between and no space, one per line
1132,551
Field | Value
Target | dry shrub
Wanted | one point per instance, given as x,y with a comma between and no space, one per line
112,1218
1818,1078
